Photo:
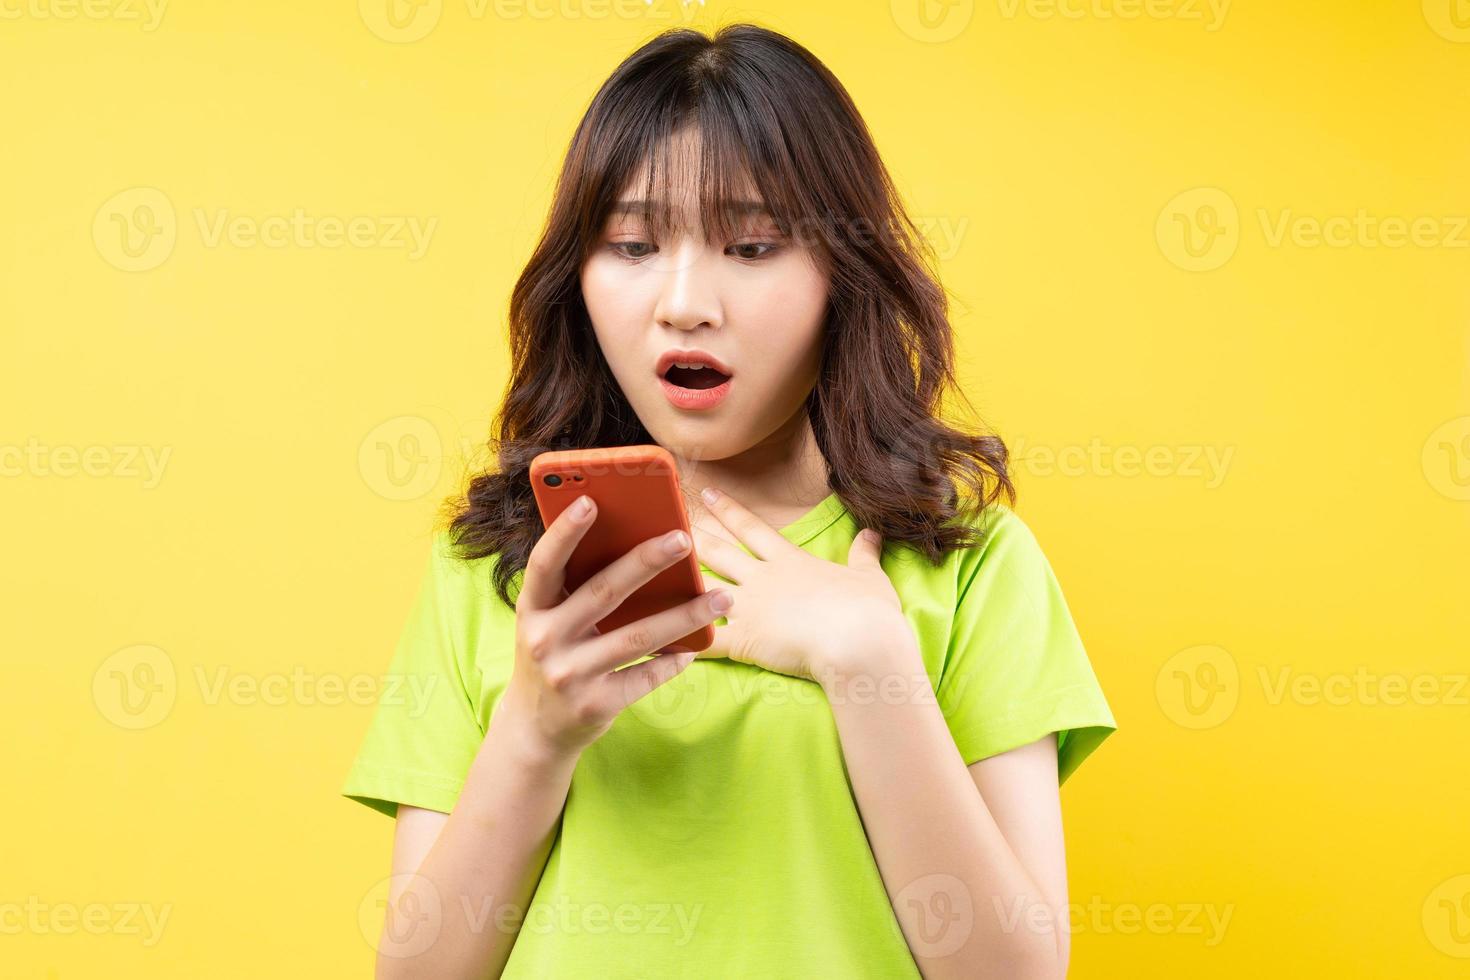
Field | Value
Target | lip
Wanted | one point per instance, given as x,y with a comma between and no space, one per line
695,398
667,358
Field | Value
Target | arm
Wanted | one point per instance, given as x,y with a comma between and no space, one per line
973,860
463,880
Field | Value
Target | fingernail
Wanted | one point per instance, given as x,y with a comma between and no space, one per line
584,505
721,600
710,494
676,542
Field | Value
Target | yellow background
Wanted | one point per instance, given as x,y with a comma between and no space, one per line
315,403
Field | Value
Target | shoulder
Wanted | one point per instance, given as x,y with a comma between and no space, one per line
1003,565
462,581
448,558
466,614
1004,543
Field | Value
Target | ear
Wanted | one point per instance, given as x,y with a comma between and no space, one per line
866,549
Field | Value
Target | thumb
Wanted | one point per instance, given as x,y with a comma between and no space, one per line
866,549
720,648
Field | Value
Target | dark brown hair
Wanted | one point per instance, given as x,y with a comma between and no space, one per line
765,110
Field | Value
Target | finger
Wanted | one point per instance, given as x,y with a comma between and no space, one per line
866,549
632,683
651,633
606,590
546,566
764,541
723,558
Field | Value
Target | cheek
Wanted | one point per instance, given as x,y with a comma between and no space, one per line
787,316
615,309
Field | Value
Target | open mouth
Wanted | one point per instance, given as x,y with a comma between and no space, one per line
695,379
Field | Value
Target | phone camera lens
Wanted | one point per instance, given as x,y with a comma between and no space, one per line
553,480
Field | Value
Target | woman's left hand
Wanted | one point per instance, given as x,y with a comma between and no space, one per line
795,613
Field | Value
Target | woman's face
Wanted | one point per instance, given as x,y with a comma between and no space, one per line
756,303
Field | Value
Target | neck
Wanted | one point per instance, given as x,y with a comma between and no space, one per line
777,479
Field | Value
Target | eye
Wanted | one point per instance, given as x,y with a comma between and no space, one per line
618,250
769,247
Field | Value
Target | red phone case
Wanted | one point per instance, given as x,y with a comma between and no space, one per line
636,489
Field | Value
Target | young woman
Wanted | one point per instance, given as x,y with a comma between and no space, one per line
860,778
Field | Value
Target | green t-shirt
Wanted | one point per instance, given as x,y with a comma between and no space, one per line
712,831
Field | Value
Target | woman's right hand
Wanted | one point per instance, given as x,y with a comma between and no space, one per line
565,687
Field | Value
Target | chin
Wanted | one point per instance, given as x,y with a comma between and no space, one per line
695,440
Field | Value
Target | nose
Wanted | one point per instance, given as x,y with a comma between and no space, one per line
689,296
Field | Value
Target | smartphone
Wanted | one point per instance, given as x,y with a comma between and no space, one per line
636,489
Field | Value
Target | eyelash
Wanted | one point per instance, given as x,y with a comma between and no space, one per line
770,249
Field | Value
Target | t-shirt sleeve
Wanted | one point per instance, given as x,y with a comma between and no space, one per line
424,731
1016,669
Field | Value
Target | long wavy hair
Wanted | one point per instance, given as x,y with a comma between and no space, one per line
766,110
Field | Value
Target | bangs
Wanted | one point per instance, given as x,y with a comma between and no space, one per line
703,155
